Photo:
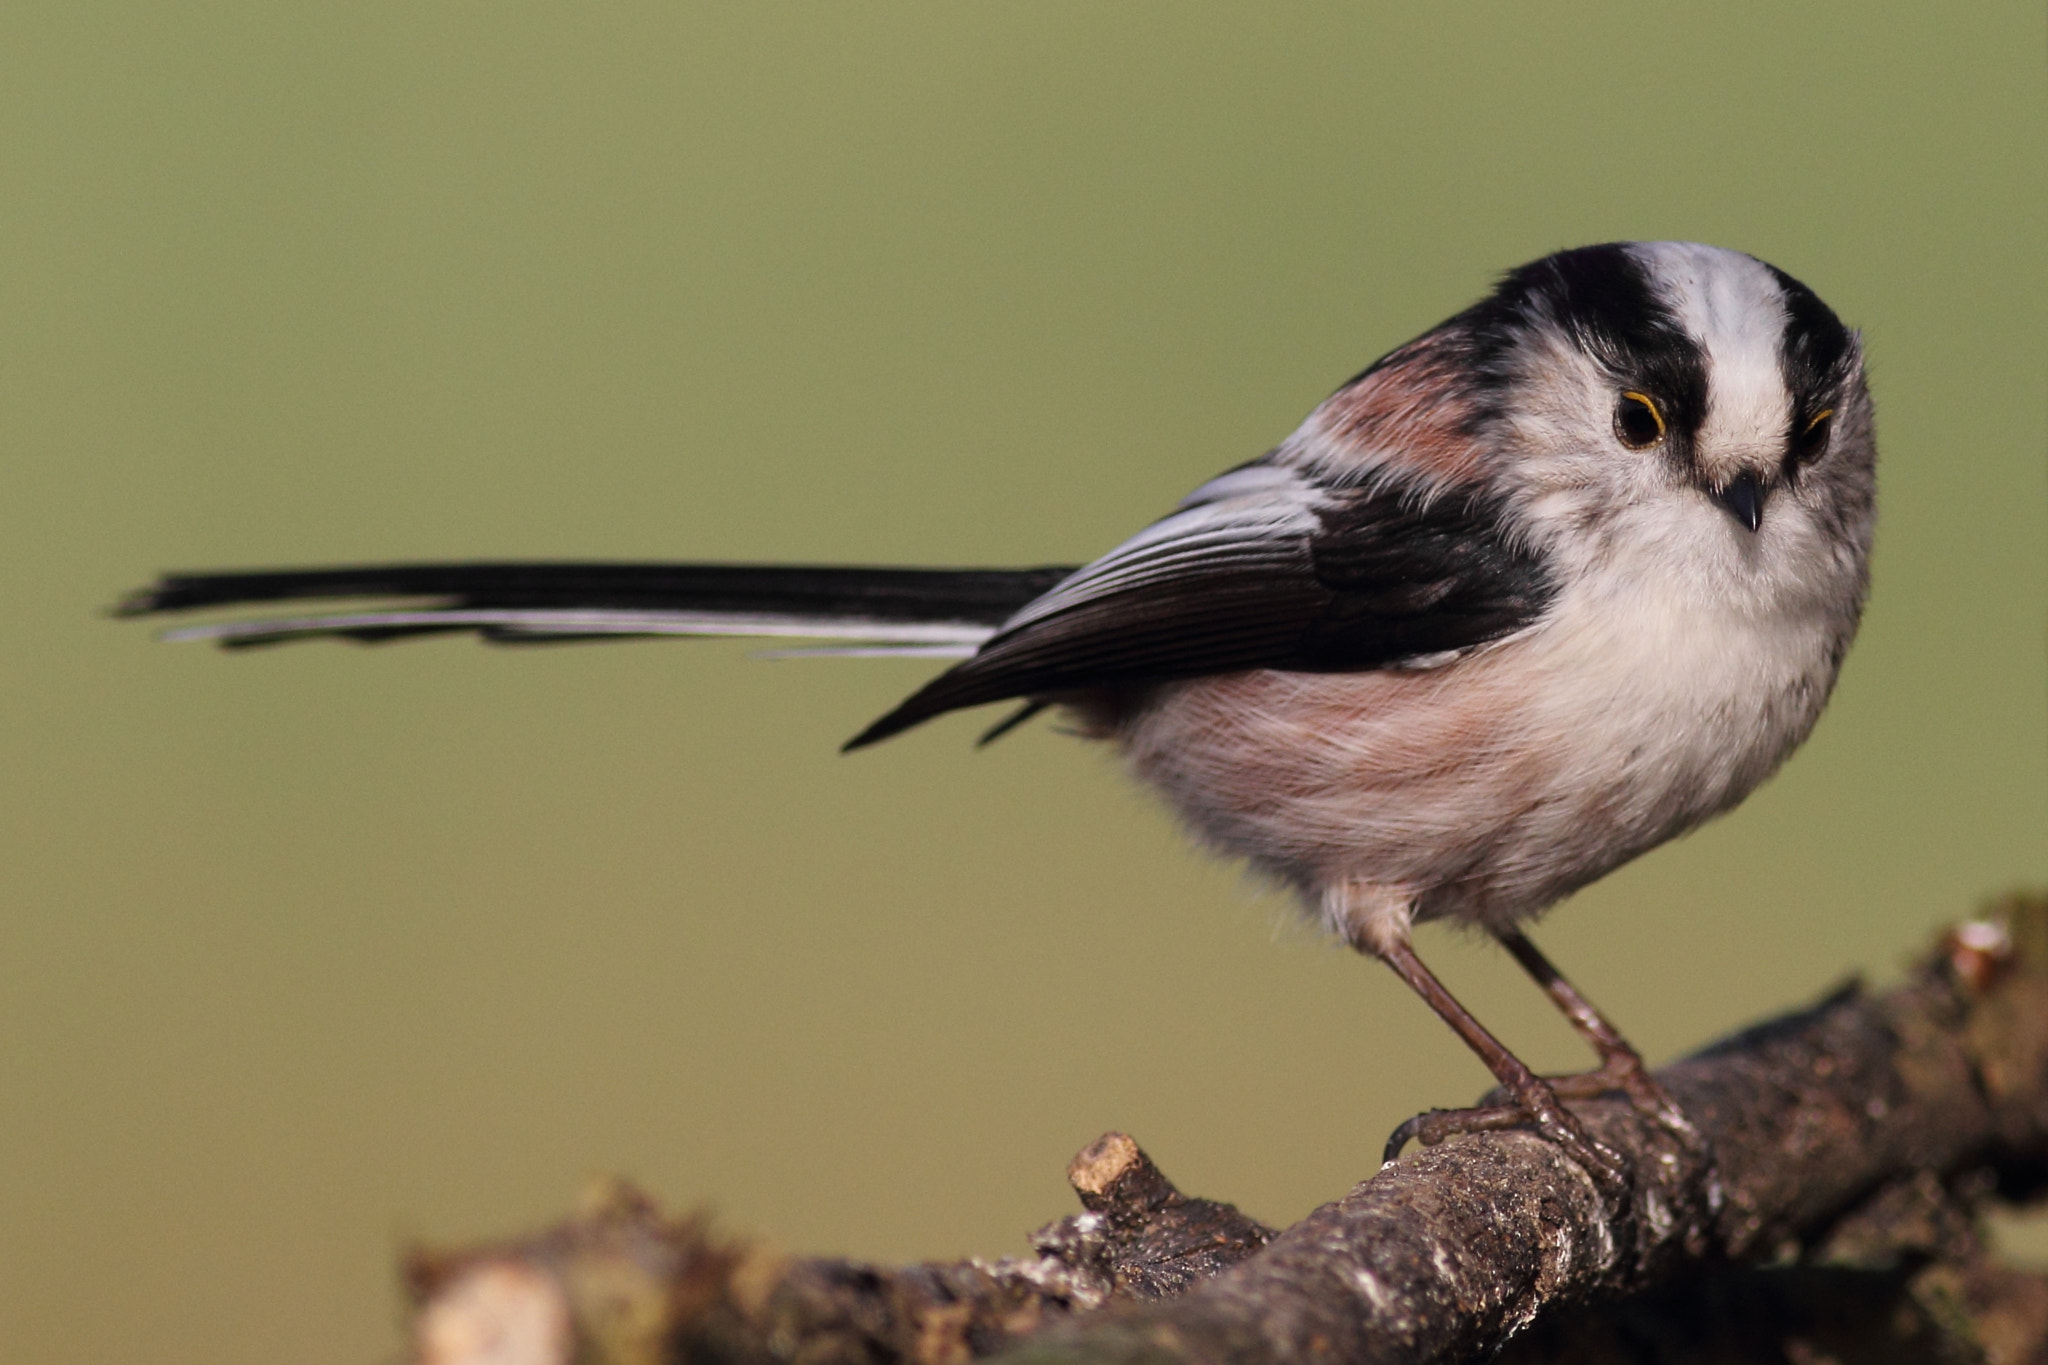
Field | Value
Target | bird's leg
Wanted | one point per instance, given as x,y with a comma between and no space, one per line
1534,1101
1621,1067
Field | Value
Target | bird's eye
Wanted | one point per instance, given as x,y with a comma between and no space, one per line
1637,421
1812,439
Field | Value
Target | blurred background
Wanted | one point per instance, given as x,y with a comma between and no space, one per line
314,952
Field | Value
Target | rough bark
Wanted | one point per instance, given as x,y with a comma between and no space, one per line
1823,1208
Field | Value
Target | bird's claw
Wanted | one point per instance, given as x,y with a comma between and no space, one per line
1609,1168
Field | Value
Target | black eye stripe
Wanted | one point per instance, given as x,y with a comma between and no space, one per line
1605,300
1814,355
1602,298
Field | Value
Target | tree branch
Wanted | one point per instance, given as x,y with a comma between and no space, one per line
1860,1134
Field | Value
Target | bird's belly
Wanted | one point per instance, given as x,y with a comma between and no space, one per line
1489,788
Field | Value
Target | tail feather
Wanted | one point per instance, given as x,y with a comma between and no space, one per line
983,596
555,625
531,602
919,613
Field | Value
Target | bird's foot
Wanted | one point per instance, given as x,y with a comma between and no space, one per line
1609,1168
1625,1075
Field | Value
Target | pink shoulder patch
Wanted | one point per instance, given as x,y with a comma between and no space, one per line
1410,414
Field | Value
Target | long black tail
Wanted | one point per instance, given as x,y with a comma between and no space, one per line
933,613
852,610
925,611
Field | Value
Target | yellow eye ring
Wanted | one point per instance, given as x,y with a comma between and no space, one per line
1809,443
1629,426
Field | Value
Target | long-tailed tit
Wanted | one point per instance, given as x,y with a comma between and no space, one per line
1556,581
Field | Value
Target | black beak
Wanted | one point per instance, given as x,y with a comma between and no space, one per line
1744,500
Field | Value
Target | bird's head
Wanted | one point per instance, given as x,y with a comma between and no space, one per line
1648,402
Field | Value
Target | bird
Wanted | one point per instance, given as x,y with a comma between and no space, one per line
1553,583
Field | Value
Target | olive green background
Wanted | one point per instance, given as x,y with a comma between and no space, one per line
312,952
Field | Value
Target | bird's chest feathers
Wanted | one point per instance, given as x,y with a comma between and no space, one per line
1674,701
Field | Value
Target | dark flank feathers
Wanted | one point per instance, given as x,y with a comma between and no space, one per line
1385,580
979,596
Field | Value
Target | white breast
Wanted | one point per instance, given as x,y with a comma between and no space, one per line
1489,788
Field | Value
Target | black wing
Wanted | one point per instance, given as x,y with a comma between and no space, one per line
1261,569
